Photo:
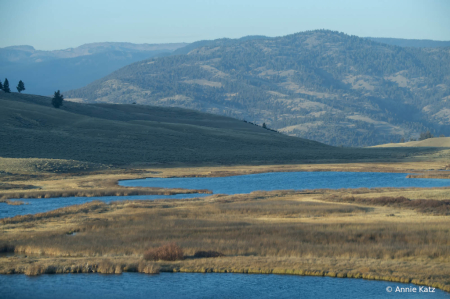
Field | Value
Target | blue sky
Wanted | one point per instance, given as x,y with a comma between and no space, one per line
49,24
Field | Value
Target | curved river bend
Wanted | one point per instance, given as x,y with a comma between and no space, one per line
235,185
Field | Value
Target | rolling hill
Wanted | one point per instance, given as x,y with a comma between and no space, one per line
125,134
321,85
430,142
46,71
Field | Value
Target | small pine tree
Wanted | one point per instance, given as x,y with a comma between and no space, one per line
57,100
20,87
1,85
264,126
6,86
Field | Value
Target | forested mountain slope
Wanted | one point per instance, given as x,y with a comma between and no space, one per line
418,43
321,85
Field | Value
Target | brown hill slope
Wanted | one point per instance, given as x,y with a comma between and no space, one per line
431,142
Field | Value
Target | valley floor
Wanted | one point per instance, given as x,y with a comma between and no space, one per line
383,233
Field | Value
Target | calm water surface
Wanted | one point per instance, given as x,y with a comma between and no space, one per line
196,285
290,180
235,185
40,205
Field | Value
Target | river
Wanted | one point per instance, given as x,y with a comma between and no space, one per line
196,285
235,185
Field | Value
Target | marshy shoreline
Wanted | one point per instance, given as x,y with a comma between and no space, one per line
360,233
110,267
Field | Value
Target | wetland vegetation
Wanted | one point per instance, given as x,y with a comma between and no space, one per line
360,233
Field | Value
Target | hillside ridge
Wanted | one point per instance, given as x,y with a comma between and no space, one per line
112,134
321,85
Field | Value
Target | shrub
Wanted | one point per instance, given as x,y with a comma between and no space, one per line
208,253
168,252
106,267
147,268
6,248
33,270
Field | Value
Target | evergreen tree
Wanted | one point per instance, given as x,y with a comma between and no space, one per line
20,87
264,126
57,100
1,85
6,86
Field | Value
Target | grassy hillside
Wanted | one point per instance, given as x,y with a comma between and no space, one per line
123,134
431,142
321,85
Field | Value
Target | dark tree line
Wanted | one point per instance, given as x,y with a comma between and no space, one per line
57,100
5,86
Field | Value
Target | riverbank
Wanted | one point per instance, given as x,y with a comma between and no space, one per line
30,184
305,233
243,265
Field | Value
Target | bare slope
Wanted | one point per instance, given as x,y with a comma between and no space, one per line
125,134
321,85
431,142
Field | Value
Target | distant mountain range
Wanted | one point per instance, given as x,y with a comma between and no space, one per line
46,71
321,85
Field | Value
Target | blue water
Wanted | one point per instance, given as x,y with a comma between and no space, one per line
289,180
195,285
235,185
40,205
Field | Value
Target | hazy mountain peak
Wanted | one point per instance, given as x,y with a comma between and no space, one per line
46,71
25,48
